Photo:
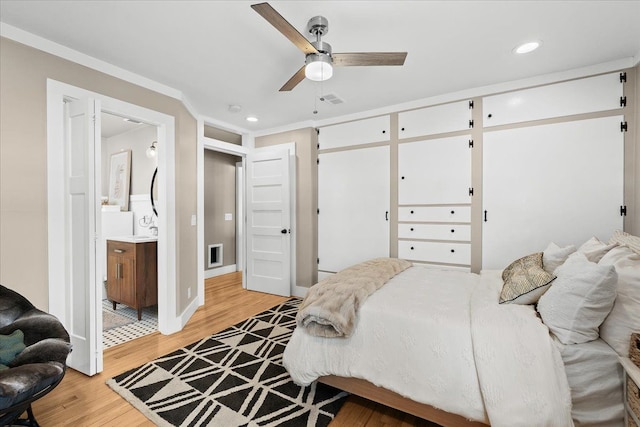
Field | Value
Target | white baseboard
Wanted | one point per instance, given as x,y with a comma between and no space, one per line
186,315
208,274
299,291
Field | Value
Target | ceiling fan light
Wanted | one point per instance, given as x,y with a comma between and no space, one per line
318,67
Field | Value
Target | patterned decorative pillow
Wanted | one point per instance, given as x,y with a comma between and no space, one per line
525,280
10,346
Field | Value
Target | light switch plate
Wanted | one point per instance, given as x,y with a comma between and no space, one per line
193,220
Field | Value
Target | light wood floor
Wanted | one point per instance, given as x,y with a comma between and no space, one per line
87,401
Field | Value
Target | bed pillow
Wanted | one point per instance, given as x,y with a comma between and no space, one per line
554,256
579,300
525,280
10,346
622,238
625,316
594,249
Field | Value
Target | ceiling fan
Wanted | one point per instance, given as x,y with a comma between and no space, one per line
319,60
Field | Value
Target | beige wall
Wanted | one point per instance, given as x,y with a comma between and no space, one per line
23,165
222,135
220,199
306,199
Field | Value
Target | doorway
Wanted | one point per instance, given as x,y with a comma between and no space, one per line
125,134
78,307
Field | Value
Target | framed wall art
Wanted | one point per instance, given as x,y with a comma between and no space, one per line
120,179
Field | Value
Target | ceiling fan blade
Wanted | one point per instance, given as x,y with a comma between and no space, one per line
274,18
294,80
368,58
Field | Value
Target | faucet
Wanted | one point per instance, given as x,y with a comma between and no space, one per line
154,230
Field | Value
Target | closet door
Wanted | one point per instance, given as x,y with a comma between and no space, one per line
558,182
353,204
436,171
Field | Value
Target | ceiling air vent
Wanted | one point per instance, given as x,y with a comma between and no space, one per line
332,98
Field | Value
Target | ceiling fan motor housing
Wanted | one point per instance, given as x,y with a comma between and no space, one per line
318,26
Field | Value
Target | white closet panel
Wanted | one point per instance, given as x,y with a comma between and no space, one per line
375,129
433,120
586,95
436,171
434,214
559,182
435,231
353,203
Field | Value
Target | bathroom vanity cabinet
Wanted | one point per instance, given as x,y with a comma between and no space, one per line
132,273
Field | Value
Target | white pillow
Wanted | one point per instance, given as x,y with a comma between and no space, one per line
626,239
625,316
579,300
554,256
594,249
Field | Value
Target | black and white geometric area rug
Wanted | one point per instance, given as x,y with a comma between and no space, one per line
230,379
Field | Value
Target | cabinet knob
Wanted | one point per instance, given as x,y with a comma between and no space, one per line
411,211
402,177
453,250
489,115
453,212
384,131
402,129
411,247
411,228
453,231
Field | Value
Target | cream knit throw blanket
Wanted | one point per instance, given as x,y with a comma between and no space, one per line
331,306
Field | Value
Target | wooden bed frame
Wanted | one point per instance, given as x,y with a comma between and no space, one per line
389,398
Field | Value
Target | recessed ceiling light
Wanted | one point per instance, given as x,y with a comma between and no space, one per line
528,47
252,119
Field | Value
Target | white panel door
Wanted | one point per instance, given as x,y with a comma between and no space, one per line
353,203
436,171
599,93
269,222
444,118
366,131
81,202
559,182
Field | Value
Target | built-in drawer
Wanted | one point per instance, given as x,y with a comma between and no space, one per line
434,214
435,231
124,249
449,253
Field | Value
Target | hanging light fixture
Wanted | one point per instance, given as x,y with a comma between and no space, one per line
151,151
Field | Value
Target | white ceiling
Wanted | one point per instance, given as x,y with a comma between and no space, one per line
219,53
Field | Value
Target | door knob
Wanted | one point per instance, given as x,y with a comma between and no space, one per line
283,231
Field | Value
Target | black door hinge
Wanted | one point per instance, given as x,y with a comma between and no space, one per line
317,161
471,191
623,101
470,123
318,145
623,126
623,77
318,260
471,105
318,211
623,210
471,143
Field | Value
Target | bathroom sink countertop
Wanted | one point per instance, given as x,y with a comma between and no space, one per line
135,239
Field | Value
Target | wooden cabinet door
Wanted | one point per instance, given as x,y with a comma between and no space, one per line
127,281
113,277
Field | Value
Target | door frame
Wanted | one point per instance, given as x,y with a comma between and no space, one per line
168,319
206,143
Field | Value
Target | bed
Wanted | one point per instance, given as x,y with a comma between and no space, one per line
436,344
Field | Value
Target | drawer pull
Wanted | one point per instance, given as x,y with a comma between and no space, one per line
411,247
453,231
453,250
402,129
118,251
411,228
453,212
411,211
402,177
384,131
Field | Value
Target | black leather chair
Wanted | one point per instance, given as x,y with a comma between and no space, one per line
36,370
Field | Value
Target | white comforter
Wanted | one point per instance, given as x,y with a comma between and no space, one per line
424,335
